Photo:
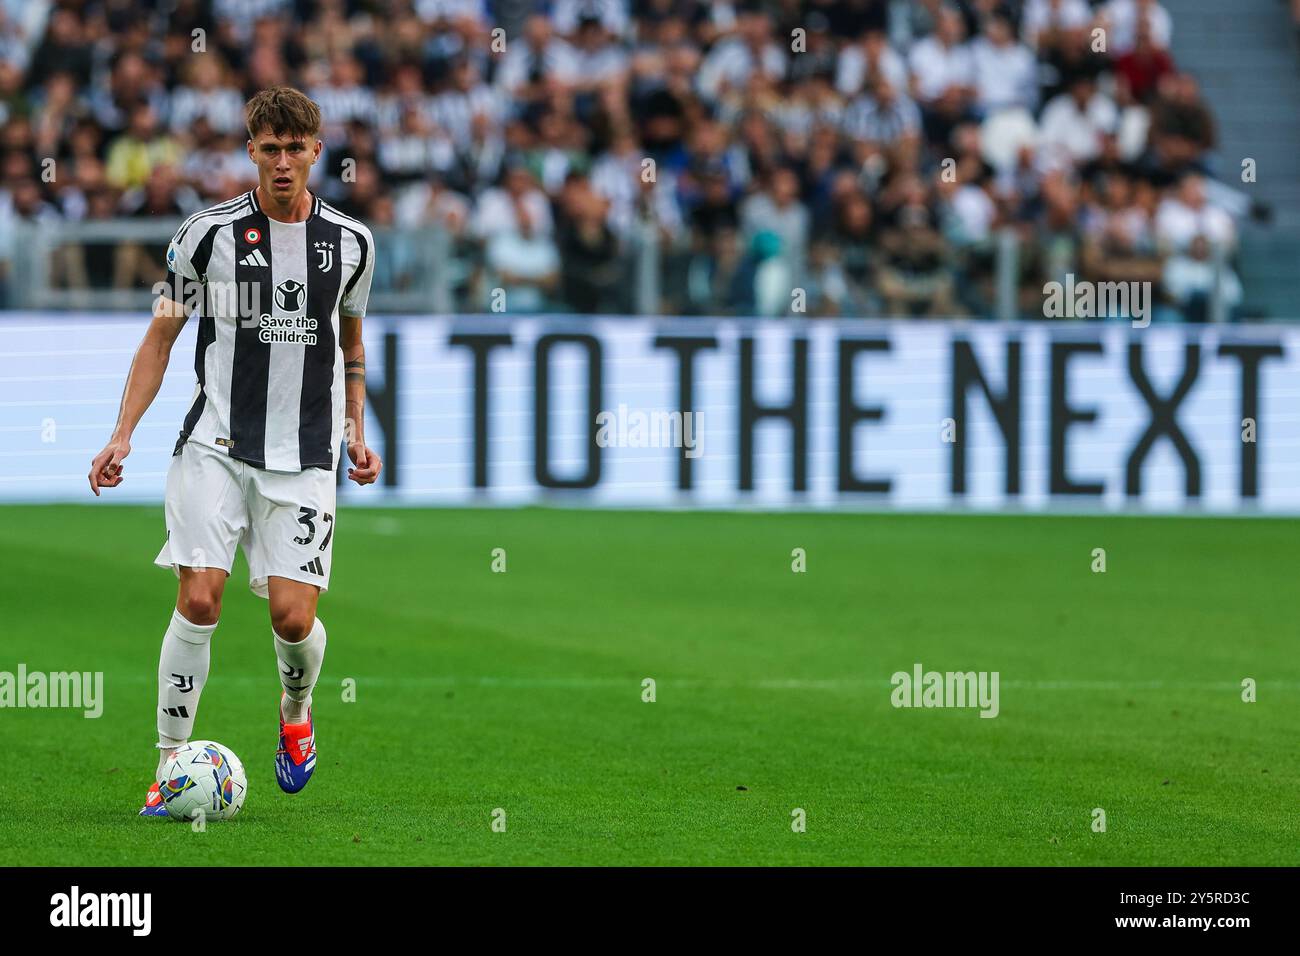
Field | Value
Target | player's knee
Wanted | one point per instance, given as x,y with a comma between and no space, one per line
199,606
293,624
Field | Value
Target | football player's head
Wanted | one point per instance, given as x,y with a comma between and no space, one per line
283,140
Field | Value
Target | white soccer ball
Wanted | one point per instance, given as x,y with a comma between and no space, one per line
203,776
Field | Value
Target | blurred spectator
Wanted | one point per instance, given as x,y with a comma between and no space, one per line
1123,19
817,58
854,234
1182,129
131,82
160,196
882,119
500,209
1075,123
558,149
827,288
1119,241
1143,67
1190,278
1006,74
542,59
777,211
634,188
207,94
365,190
55,112
715,282
64,48
736,59
914,277
344,97
569,16
431,202
943,75
464,100
414,148
869,57
133,156
1049,24
1186,215
524,263
589,254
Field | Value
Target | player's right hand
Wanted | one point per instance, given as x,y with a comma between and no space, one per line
106,469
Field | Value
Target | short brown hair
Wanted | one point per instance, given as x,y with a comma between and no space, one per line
284,111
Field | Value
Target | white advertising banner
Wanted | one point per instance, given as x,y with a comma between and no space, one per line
728,413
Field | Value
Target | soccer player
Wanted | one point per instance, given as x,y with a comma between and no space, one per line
280,279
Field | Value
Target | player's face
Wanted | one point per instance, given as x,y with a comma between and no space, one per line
283,163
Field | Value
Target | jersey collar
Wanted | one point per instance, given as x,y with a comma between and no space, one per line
257,207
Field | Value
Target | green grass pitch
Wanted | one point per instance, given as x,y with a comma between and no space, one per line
523,691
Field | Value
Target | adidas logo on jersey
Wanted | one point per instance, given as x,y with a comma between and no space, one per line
313,567
254,258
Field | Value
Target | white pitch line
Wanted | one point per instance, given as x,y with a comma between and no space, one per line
692,683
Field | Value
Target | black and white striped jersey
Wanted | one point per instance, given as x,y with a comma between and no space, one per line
268,360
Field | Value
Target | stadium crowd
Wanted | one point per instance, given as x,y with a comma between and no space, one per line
867,152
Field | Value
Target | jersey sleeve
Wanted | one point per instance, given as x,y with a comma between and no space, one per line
180,267
357,292
180,250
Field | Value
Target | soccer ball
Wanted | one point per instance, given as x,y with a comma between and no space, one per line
203,776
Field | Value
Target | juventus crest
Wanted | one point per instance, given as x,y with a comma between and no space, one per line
325,252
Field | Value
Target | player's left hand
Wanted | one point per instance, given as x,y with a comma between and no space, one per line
367,463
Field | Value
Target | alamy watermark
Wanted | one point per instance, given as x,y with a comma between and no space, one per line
77,689
657,429
922,688
75,908
1083,299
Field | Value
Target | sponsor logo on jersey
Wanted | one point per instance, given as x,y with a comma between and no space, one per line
290,295
292,329
254,258
289,329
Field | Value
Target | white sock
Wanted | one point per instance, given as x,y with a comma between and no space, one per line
166,747
182,672
299,664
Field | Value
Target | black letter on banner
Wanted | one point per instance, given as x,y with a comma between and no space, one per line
850,414
480,344
382,403
1063,416
797,413
542,410
685,347
1006,411
1163,421
1250,356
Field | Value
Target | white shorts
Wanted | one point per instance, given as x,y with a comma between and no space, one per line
285,519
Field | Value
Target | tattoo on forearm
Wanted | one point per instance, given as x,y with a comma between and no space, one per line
355,369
